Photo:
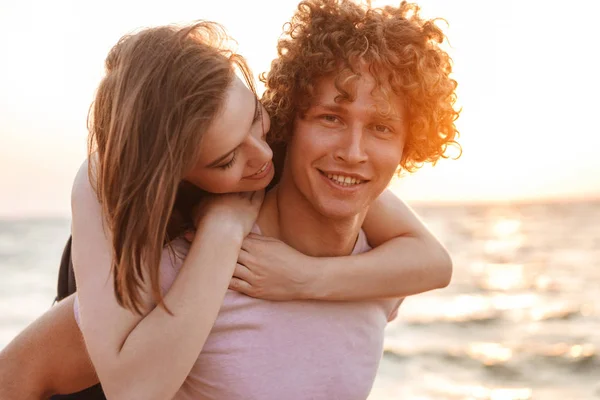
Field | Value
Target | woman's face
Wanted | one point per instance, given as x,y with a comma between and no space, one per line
235,156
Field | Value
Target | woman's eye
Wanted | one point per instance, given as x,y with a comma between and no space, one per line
230,163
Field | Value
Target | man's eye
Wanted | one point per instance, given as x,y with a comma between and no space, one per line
330,118
382,129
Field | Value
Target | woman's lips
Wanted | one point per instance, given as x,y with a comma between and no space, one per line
262,172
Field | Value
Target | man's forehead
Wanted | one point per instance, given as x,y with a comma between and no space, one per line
341,91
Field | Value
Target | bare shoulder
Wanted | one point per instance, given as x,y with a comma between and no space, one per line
83,191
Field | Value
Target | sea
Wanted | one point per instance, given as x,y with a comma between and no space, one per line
520,319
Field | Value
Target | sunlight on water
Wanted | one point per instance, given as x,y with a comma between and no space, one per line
521,316
484,393
500,270
452,390
562,352
503,394
507,302
582,351
587,310
506,238
547,284
506,227
524,306
434,387
462,308
467,307
489,353
554,311
503,277
519,320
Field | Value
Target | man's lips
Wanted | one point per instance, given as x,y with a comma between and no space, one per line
343,179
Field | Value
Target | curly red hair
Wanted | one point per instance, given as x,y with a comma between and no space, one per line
333,37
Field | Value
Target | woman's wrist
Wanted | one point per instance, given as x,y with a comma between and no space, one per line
221,228
309,283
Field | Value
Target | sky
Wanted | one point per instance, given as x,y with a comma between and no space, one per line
526,69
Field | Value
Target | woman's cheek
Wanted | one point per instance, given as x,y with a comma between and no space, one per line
230,182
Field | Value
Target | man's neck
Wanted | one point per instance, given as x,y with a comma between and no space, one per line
288,216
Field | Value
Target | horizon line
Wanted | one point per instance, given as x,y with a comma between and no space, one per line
413,203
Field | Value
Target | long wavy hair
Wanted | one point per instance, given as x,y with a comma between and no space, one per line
402,51
162,89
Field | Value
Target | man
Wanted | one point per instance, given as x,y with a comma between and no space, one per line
353,96
339,160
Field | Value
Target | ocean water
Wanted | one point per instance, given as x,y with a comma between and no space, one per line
520,319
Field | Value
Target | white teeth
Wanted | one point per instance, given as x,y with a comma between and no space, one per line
261,169
344,180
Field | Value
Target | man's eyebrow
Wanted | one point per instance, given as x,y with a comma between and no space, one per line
393,117
332,107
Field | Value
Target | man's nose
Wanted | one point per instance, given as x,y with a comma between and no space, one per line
351,148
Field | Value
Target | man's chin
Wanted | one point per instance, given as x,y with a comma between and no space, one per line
338,210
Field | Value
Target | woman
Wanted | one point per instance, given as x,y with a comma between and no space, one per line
138,103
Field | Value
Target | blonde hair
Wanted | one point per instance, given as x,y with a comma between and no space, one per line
163,88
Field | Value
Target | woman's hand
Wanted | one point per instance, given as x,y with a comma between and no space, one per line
271,270
236,208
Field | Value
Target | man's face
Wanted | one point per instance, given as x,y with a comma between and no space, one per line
343,154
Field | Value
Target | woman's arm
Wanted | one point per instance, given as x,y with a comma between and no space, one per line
149,356
47,358
406,260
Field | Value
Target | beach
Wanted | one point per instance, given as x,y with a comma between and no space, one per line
520,319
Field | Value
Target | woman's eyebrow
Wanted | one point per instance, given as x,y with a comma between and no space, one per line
257,112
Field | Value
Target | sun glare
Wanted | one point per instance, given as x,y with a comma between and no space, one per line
524,136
